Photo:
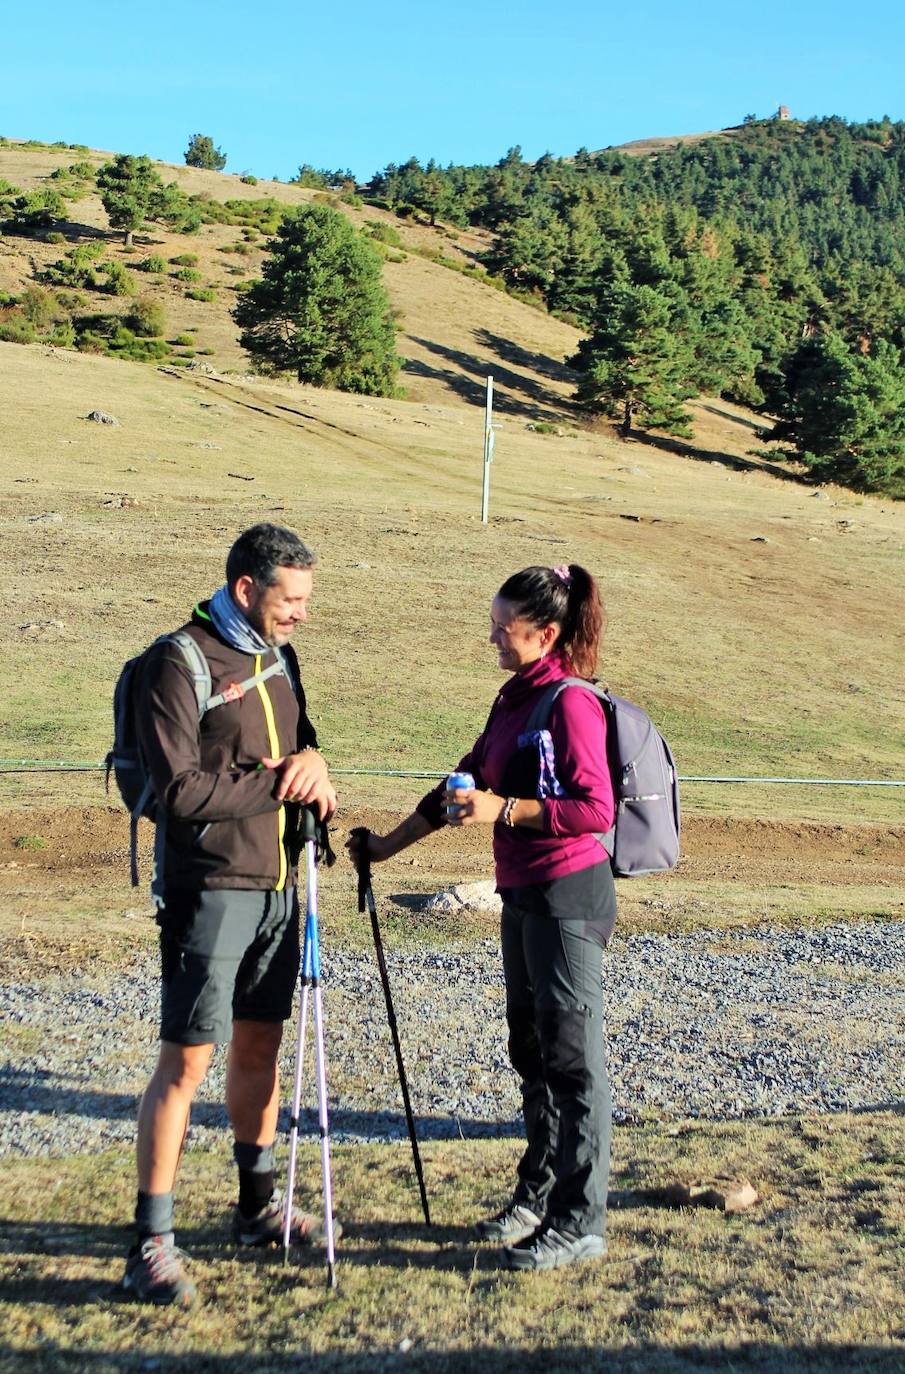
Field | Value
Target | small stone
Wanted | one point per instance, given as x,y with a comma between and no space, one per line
405,1345
50,517
100,417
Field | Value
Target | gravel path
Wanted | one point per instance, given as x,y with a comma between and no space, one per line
711,1025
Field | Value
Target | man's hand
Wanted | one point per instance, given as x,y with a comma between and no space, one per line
304,778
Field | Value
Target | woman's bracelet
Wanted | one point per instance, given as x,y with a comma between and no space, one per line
506,813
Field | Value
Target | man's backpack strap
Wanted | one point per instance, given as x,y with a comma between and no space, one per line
197,664
235,690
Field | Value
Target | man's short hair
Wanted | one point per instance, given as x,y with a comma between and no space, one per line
260,551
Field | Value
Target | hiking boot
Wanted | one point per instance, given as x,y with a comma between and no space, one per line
266,1226
515,1222
551,1249
154,1273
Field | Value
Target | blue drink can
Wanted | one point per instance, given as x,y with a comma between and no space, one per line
454,781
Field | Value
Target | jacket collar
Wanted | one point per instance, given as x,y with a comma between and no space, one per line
522,685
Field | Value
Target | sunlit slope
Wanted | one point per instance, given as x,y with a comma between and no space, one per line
760,621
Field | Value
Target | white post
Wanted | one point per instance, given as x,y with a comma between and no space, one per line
488,451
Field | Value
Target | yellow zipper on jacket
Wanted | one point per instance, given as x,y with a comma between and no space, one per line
274,754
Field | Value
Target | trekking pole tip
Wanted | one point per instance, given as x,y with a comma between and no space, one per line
331,1275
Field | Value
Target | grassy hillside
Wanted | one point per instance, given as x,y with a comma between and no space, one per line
452,330
761,622
758,619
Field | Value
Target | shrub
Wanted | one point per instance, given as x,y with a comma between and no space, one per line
146,318
77,268
36,210
185,260
119,280
187,274
63,334
205,352
153,263
202,293
38,306
126,344
184,340
384,233
249,180
54,237
15,328
264,215
250,235
108,334
37,316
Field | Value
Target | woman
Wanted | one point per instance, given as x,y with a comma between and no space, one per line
559,905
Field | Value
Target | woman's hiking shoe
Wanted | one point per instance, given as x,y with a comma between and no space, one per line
266,1226
154,1273
515,1222
551,1249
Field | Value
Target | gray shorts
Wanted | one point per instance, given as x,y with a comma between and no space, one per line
226,955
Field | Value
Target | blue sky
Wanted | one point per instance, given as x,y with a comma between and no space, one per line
360,85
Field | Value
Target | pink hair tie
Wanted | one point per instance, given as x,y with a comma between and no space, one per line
562,572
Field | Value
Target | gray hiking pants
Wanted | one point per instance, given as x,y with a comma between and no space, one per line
554,1007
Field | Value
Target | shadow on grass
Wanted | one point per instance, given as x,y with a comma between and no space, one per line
530,400
706,455
761,427
778,1358
514,353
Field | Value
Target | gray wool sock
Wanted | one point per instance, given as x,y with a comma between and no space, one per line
154,1214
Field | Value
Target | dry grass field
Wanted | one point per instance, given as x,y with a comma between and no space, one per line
759,619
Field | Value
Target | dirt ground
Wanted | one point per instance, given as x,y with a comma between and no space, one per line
96,840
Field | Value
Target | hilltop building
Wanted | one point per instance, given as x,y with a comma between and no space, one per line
783,113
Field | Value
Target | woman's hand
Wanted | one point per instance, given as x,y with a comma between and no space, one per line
473,807
377,848
381,847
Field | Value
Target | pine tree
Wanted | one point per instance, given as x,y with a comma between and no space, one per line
846,413
132,192
633,366
202,153
320,309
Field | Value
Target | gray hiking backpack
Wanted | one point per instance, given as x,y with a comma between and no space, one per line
645,836
126,761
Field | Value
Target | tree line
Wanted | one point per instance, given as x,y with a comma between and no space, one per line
758,264
765,264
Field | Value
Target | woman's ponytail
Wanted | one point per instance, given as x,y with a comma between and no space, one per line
567,596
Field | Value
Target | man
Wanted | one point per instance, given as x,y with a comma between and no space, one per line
227,791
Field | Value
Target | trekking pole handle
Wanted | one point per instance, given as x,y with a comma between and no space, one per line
362,834
314,830
308,823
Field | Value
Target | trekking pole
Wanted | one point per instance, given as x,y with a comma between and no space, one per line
366,898
311,982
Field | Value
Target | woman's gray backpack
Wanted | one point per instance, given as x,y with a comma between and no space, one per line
645,836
